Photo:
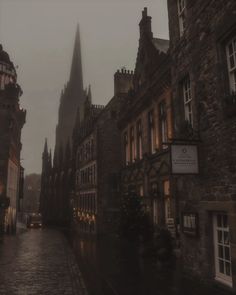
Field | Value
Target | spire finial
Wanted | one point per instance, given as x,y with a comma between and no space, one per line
76,65
89,94
46,145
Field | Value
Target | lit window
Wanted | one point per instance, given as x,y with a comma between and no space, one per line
181,14
231,58
163,123
132,146
187,100
139,140
151,132
141,190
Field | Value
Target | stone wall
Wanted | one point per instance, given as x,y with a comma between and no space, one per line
200,52
109,164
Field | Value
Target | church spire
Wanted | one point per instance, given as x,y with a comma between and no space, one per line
45,151
76,75
89,94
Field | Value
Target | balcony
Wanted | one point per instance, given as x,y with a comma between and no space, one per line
230,105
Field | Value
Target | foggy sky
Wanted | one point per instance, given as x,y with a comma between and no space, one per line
39,36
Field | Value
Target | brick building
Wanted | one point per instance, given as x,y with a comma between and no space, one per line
203,53
12,119
146,125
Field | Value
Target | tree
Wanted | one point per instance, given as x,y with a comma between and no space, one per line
134,222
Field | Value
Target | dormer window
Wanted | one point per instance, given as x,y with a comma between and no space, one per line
231,59
181,14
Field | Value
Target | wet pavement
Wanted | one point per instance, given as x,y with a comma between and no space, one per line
39,262
114,267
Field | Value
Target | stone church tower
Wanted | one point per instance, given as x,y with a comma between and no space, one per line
57,174
72,97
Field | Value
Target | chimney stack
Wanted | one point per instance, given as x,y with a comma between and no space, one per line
123,81
145,25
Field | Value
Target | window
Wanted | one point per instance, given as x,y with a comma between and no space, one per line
132,146
163,123
231,59
140,191
126,148
181,14
139,140
222,249
190,223
151,132
187,100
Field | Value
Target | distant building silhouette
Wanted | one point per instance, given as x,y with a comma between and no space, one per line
31,193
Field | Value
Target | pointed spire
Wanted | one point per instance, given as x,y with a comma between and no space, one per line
50,159
45,151
45,157
89,94
76,65
55,158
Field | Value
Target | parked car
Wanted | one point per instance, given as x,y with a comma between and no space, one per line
34,220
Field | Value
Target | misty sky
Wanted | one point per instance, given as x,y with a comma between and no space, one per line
39,36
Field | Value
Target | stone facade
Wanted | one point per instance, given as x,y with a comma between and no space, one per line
146,125
98,163
202,48
180,94
12,119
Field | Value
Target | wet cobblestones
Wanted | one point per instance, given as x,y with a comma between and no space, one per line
39,262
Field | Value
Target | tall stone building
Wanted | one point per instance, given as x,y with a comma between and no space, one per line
146,126
98,163
203,53
57,175
12,119
72,97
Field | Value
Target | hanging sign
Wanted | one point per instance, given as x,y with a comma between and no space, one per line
184,159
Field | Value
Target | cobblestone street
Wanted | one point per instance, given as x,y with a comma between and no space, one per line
38,262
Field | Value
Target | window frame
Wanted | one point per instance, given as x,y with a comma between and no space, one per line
139,139
181,7
151,131
187,99
163,124
132,144
221,276
231,69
